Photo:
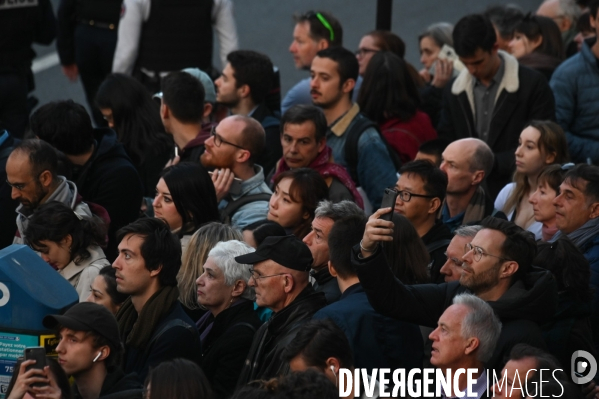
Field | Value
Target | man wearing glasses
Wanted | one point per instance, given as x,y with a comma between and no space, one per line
421,188
314,31
279,271
497,267
32,174
231,152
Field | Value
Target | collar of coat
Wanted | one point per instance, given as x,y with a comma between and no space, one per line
510,82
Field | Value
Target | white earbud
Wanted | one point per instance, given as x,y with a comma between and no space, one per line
97,356
333,370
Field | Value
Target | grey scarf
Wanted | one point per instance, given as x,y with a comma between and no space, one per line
582,235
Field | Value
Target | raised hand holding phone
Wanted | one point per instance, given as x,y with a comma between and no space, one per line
27,378
377,230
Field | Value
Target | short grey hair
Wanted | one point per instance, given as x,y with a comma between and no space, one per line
223,254
337,210
481,322
468,231
569,9
482,159
440,32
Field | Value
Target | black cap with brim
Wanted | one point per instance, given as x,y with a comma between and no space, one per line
87,316
288,251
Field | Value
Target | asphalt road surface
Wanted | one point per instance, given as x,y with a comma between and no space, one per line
266,26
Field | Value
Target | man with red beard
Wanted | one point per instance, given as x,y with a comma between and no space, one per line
231,151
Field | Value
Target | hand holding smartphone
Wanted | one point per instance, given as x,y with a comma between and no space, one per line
389,198
38,354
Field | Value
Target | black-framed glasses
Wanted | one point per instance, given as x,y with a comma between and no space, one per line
218,140
323,21
256,276
479,252
361,52
406,196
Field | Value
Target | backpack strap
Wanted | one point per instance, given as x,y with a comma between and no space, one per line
358,126
232,207
270,121
433,246
165,328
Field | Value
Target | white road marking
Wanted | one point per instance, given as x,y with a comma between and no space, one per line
46,62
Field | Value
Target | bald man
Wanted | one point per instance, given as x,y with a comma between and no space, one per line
279,271
231,153
467,162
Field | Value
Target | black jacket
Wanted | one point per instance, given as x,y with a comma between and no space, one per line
174,336
8,227
272,150
524,306
525,95
436,240
264,359
110,179
326,284
117,385
226,346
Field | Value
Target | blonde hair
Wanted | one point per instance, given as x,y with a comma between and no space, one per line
195,256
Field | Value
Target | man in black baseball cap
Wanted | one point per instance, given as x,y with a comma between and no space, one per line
90,349
279,271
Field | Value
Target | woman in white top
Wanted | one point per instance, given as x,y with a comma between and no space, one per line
540,144
68,243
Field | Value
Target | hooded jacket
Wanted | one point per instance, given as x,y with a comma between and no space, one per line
82,274
264,360
526,304
109,179
66,192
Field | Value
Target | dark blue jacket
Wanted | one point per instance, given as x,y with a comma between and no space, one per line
574,84
377,341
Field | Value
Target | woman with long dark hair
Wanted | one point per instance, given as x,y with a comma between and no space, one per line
177,378
407,256
538,44
68,243
390,98
185,199
128,107
295,198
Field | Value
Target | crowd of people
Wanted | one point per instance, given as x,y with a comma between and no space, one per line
229,242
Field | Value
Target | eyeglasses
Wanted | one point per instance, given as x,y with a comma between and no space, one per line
479,252
361,52
256,276
21,186
406,196
218,140
323,21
